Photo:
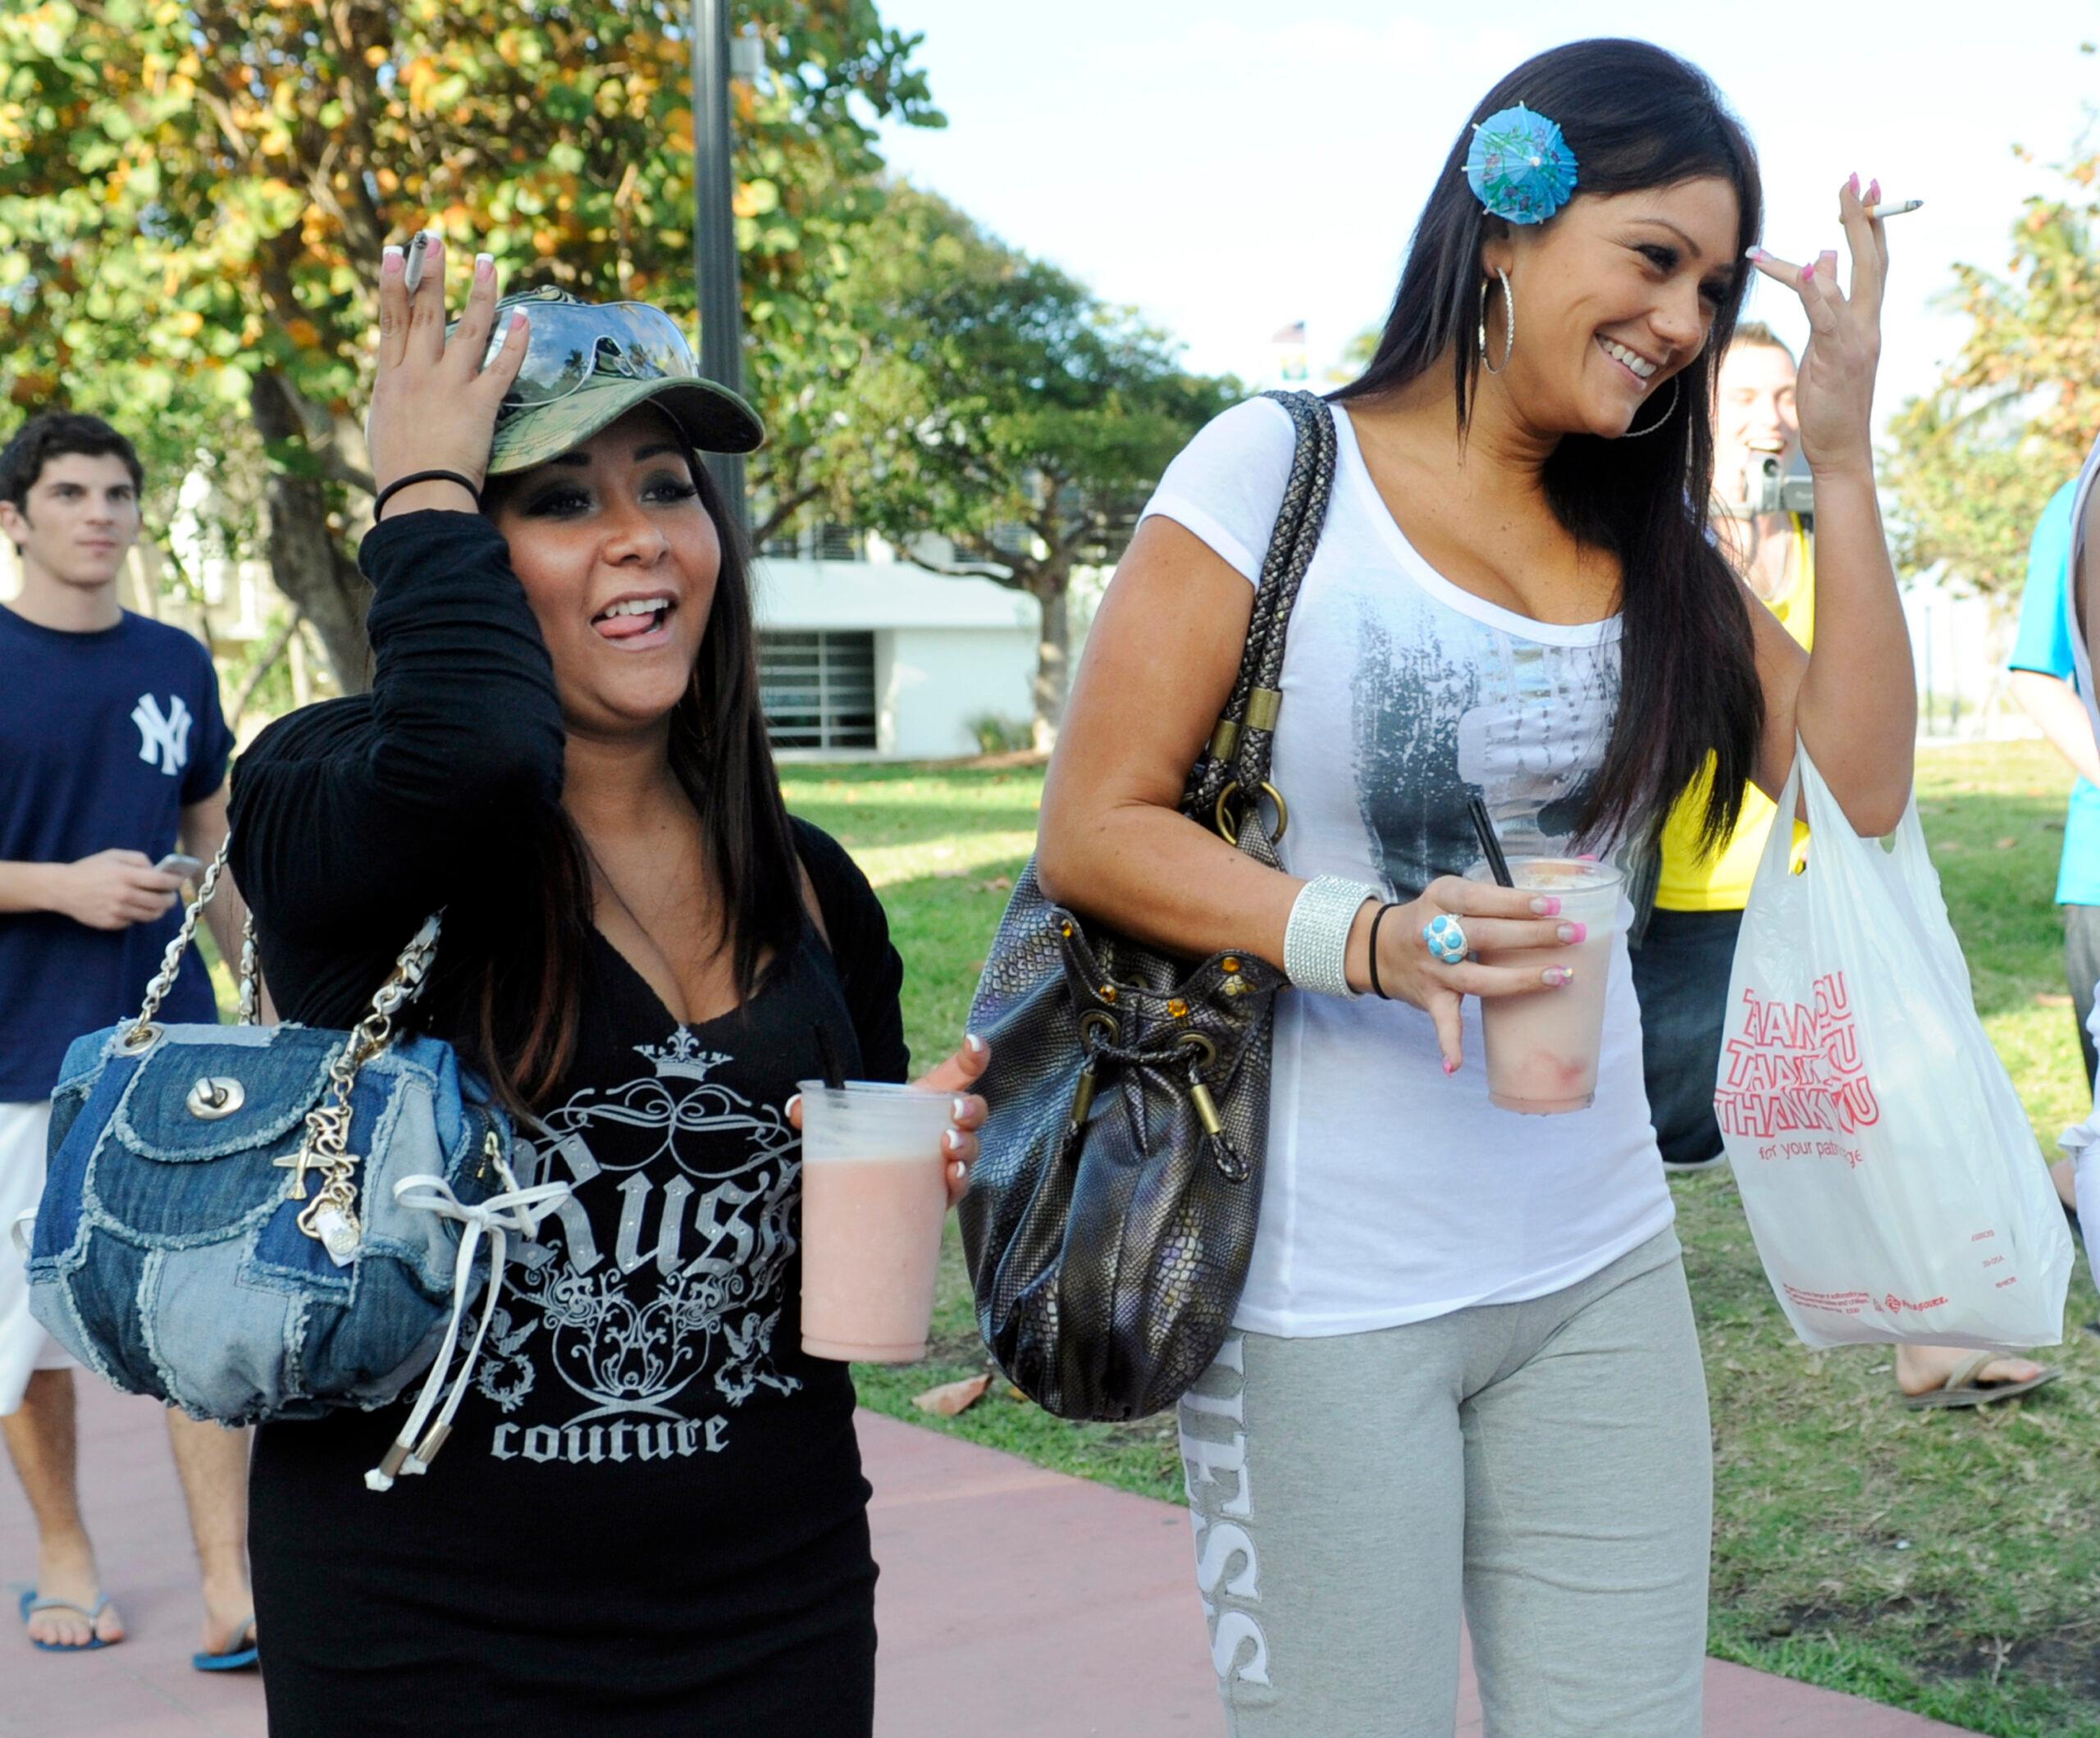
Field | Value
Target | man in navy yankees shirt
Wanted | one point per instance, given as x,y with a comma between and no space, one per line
112,752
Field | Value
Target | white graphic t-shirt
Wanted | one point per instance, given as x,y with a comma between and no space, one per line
1394,1193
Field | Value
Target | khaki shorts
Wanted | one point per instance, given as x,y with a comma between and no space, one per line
25,1347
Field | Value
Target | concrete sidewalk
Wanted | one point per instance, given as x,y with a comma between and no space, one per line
1014,1603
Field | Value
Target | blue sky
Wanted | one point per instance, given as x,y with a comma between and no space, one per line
1229,166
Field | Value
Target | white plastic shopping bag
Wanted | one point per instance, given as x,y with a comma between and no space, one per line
1891,1178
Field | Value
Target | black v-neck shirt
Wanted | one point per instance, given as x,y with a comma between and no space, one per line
650,1518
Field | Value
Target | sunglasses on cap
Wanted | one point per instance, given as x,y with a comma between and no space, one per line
570,343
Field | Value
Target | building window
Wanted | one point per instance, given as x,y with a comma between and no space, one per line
819,689
840,543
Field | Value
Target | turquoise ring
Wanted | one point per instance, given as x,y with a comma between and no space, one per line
1446,938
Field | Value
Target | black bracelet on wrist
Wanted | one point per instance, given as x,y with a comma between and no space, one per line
1377,988
399,483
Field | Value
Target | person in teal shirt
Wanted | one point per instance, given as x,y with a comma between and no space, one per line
2045,682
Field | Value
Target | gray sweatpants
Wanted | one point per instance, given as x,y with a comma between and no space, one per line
1545,1464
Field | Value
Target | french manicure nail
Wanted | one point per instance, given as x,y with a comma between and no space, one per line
390,260
973,1043
519,321
952,1143
484,267
793,1105
1546,905
959,1108
1559,976
1755,254
1573,933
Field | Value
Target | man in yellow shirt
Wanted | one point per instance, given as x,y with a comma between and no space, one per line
1680,968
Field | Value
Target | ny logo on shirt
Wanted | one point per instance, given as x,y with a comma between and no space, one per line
165,738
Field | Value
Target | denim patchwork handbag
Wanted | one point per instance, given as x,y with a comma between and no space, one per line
269,1222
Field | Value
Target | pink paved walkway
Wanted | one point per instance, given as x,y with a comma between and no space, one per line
1014,1603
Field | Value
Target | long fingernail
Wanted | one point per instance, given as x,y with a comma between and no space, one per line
1559,975
1546,905
1854,184
390,261
1874,191
959,1108
1573,934
1755,254
973,1043
1450,1066
484,267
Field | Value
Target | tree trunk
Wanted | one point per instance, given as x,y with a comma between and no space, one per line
307,562
1052,654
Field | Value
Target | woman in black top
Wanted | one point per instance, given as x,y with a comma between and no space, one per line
651,1518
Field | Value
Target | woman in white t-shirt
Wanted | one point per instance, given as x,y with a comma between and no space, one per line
1464,1362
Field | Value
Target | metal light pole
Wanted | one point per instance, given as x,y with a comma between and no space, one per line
714,231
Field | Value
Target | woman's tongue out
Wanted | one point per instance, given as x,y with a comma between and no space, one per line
626,626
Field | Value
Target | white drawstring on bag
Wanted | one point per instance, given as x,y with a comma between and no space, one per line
518,1210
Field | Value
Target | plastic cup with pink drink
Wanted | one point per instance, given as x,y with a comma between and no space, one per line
875,1196
1542,1046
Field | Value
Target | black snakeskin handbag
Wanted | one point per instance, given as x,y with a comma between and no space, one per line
1110,1216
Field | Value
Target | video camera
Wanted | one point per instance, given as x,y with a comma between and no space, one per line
1767,490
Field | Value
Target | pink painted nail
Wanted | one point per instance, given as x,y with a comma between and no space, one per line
1574,934
1559,976
1874,191
1854,184
1450,1066
390,262
1546,905
1588,856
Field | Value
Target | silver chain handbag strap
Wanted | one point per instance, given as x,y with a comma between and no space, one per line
330,1217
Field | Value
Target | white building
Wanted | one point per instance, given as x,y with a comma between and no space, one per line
863,655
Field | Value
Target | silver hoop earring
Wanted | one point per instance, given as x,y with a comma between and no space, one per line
1634,434
1508,307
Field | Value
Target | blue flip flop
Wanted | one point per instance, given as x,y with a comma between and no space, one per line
240,1657
31,1605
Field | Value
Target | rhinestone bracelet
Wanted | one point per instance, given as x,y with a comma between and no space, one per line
1316,940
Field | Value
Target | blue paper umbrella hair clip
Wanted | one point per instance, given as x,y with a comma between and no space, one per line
1520,166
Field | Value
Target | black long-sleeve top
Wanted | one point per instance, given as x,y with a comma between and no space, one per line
650,1518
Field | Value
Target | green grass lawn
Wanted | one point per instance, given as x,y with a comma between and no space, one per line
1946,1562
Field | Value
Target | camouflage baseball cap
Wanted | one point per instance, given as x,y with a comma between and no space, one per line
588,364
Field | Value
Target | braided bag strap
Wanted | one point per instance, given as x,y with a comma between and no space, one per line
1237,755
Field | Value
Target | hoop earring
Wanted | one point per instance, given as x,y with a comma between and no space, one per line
1634,434
1509,307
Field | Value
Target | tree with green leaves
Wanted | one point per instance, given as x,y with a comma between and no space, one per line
1032,419
194,193
1974,462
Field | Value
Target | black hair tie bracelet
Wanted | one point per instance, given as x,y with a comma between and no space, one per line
1377,988
399,483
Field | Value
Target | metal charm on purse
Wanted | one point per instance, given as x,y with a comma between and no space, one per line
178,1251
1110,1216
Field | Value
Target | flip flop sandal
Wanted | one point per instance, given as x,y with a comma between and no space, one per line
31,1605
1962,1388
241,1657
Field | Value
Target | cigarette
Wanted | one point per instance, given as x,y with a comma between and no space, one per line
1893,208
411,274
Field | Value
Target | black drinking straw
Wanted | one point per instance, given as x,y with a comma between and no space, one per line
1490,846
828,1059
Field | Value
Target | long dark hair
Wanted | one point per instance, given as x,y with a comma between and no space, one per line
526,993
1636,116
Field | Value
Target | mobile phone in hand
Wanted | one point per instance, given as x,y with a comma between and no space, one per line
176,862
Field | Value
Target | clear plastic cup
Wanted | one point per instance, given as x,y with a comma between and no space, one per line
1542,1047
875,1196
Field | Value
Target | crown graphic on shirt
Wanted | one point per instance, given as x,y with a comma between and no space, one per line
681,1058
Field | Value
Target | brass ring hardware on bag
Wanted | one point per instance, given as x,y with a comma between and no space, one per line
1229,829
140,1040
214,1097
1091,1022
1203,1054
